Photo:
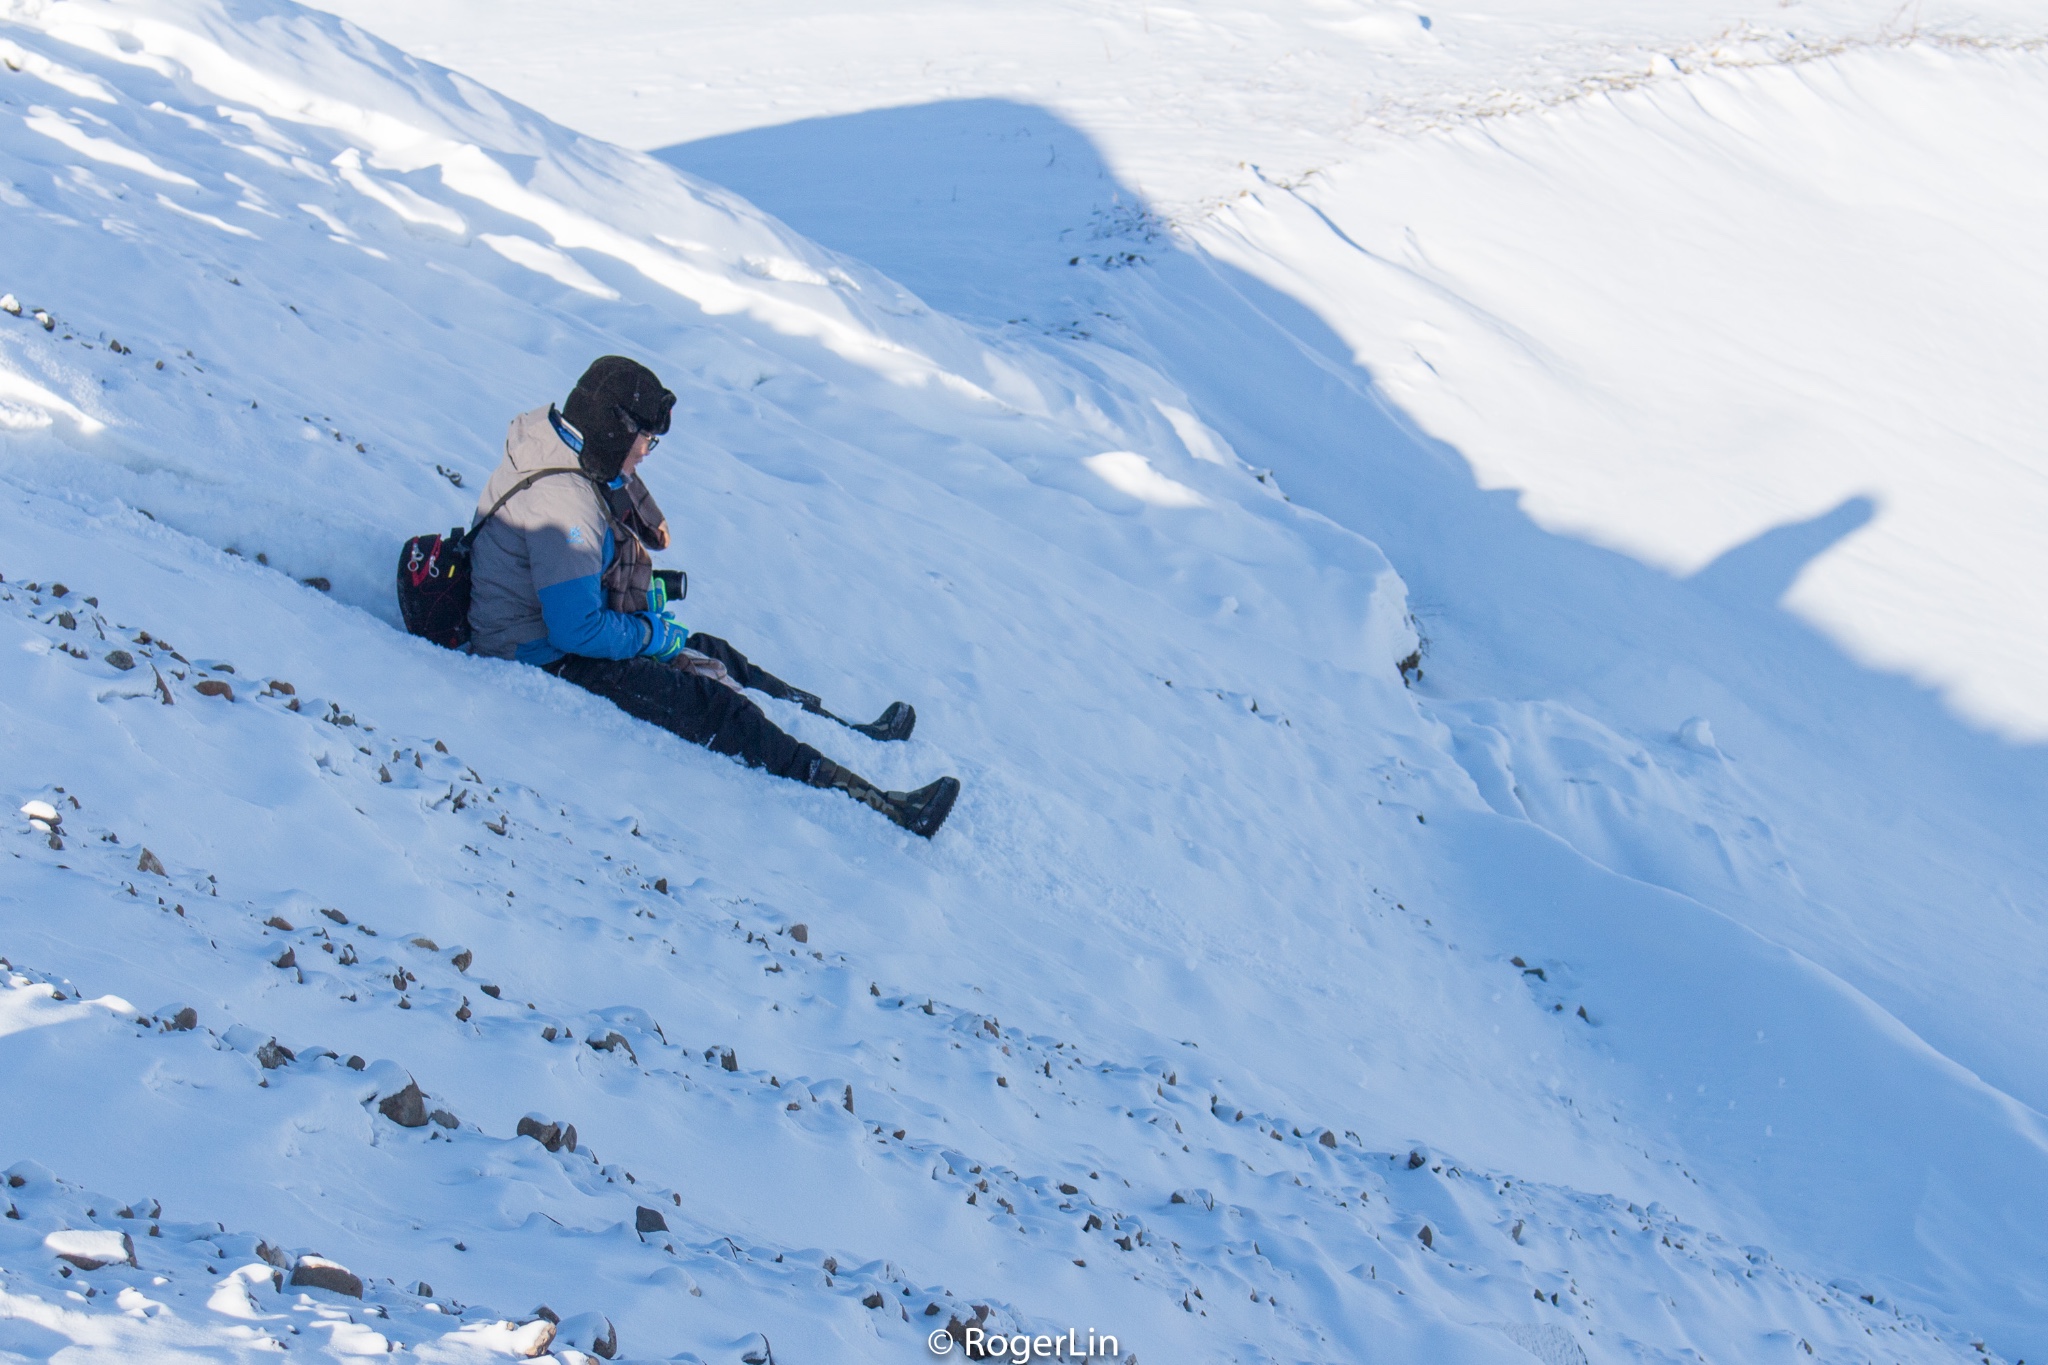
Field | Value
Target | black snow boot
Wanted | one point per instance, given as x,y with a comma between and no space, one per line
921,812
896,723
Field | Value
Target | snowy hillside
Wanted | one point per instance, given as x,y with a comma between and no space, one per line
1655,975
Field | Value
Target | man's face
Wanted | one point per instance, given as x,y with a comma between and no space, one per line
634,456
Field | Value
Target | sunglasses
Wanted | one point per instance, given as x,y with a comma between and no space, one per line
633,428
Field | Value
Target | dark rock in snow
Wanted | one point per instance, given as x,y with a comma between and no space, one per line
542,1130
213,687
121,659
355,1063
729,1059
873,1300
1416,1161
592,1332
612,1042
317,1272
183,1021
335,915
279,922
1328,1138
273,1055
462,959
426,943
445,1119
1427,1236
288,958
407,1108
149,862
800,932
91,1250
646,1220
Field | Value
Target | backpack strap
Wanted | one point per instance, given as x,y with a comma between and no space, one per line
520,487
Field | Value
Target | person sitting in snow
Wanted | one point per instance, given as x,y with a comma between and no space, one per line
562,579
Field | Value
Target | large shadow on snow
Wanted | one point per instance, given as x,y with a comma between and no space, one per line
1002,213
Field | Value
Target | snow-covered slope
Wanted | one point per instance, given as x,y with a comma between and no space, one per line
1253,1005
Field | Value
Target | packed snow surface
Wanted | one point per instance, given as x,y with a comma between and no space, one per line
1476,568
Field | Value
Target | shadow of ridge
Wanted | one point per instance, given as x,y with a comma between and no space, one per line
1762,570
1002,212
930,196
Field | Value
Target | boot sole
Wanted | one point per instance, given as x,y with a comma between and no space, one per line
933,812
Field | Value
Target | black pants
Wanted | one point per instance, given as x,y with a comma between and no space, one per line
698,709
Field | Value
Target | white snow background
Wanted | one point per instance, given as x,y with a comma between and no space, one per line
1657,976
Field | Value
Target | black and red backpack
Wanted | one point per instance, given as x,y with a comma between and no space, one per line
433,575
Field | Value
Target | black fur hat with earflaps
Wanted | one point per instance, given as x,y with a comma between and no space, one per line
615,399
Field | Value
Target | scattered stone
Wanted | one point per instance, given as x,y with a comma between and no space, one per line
184,1021
317,1272
1328,1138
279,922
462,1011
42,814
1427,1237
611,1042
491,991
424,1290
661,885
1069,1189
282,688
407,1108
463,957
317,583
592,1332
426,943
532,1339
213,687
646,1220
549,1033
59,590
288,958
873,1300
121,659
729,1059
10,305
273,1055
847,1100
67,620
149,862
445,1119
355,1064
1416,1161
569,1137
547,1314
91,1250
542,1130
335,915
800,932
271,1255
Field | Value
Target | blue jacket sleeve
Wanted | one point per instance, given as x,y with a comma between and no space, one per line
579,624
